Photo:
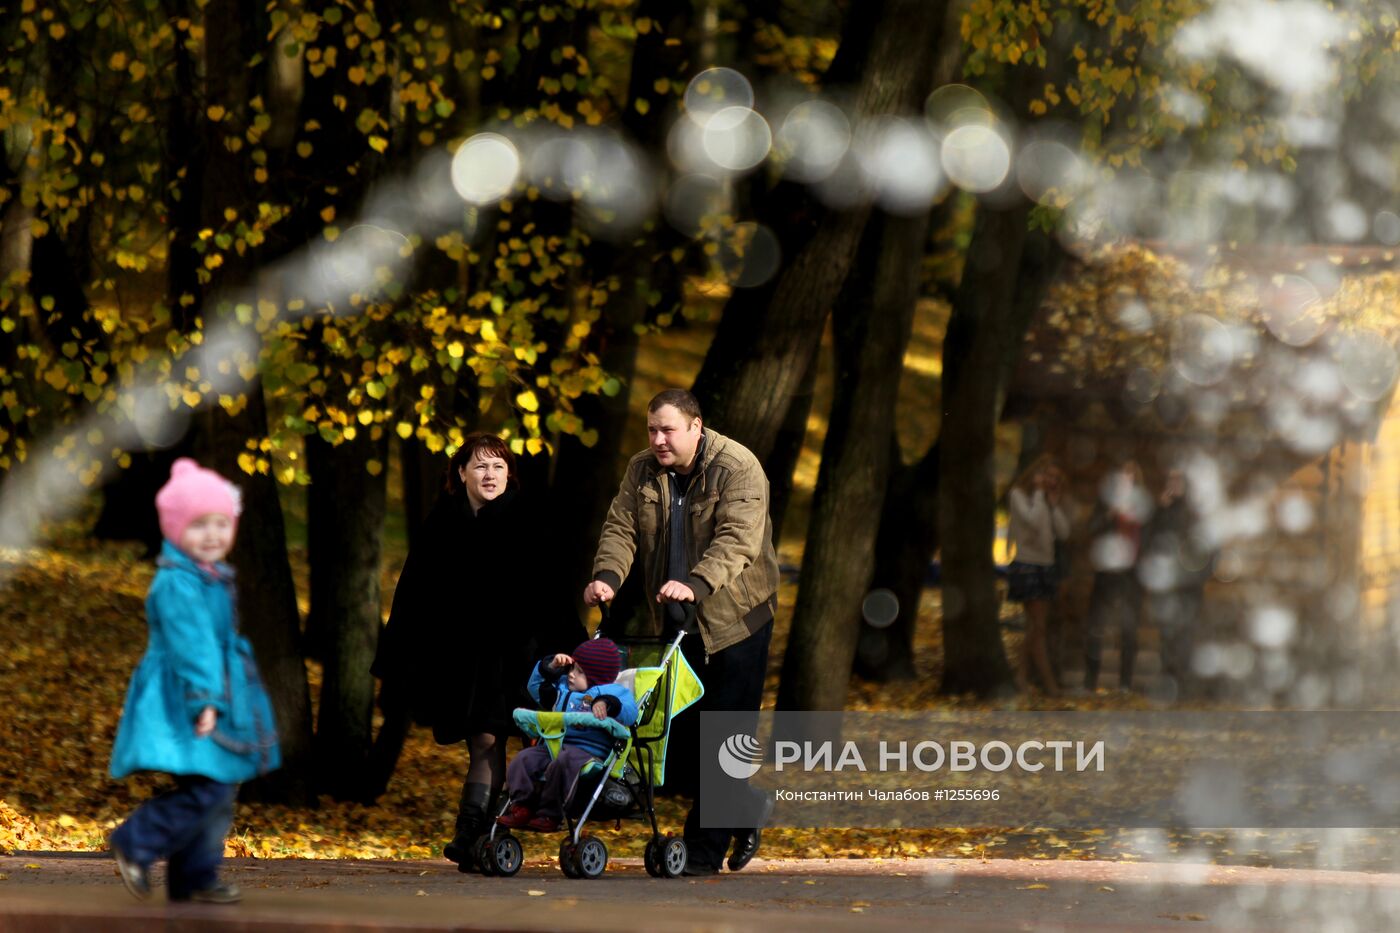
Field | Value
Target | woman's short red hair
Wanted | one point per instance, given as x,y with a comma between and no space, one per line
490,445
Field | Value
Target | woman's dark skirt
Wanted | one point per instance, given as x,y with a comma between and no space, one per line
1029,582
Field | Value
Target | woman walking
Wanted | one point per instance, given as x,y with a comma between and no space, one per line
473,610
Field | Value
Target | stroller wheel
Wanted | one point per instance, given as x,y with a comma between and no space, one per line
591,857
651,857
673,857
485,854
566,859
507,855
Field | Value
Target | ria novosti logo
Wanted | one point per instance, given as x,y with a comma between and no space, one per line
740,756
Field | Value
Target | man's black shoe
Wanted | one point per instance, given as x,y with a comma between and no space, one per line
745,845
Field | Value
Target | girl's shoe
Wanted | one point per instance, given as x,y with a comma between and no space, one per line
136,879
219,894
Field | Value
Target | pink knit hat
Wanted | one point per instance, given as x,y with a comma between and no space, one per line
191,492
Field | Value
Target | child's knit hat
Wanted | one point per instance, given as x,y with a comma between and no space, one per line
599,659
193,491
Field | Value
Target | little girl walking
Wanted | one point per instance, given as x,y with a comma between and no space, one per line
196,708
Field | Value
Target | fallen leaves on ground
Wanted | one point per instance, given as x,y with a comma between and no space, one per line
72,631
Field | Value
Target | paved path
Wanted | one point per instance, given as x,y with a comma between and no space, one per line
43,892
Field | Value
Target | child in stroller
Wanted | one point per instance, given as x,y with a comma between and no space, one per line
584,683
618,783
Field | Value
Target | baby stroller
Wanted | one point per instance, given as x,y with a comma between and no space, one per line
622,785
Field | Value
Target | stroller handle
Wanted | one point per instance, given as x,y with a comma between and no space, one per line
689,626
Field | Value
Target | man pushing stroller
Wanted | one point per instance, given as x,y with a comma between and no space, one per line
584,683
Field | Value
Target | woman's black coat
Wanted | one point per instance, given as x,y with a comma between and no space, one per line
474,608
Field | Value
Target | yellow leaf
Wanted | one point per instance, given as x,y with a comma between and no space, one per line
374,467
378,143
643,25
57,30
527,401
248,464
303,149
642,105
328,213
215,112
455,349
117,62
356,75
404,430
138,71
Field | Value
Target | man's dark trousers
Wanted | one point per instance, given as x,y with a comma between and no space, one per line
733,680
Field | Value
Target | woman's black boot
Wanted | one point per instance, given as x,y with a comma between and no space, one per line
472,821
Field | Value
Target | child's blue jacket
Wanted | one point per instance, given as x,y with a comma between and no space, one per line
622,706
195,658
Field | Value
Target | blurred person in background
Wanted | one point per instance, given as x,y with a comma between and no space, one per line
1038,522
1116,533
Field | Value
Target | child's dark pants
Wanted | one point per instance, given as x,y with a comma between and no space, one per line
559,776
185,826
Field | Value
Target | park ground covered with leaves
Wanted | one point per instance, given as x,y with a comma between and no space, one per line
72,629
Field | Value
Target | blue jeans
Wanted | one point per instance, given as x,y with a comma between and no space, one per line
186,826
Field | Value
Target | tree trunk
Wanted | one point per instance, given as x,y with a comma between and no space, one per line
991,313
906,542
266,598
787,451
586,478
344,557
421,472
345,503
128,500
872,327
769,334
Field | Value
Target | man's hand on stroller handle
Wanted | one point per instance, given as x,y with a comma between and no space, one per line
597,592
675,591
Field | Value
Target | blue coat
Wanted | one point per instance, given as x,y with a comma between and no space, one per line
195,658
622,706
